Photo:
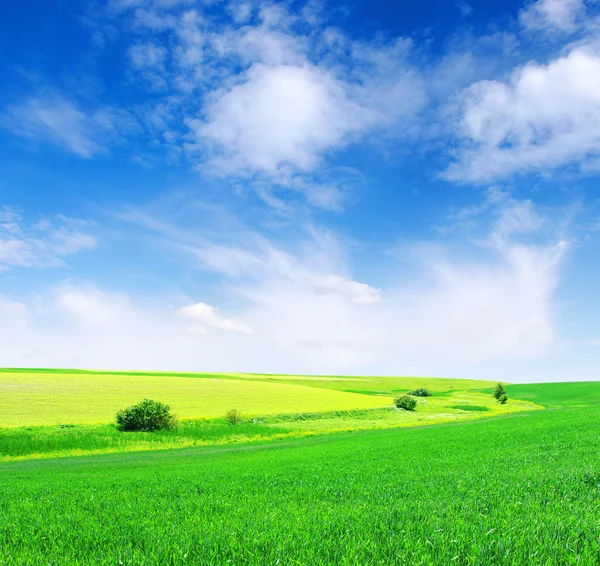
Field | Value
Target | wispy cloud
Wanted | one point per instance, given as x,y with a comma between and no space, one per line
308,313
553,15
204,316
43,244
54,119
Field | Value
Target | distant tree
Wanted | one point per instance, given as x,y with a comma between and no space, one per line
405,402
503,399
233,417
146,416
420,392
499,390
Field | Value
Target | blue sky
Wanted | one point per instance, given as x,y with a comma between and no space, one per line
310,187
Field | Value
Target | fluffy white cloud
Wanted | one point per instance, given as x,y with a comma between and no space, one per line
280,115
208,316
553,15
544,116
43,244
270,97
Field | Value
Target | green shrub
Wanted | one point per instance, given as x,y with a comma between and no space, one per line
146,416
233,416
420,392
405,402
499,390
503,399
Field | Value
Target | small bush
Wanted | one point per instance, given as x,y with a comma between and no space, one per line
503,399
146,416
233,416
405,402
420,392
499,390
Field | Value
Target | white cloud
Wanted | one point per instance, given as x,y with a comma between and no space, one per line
208,316
43,244
352,290
150,19
230,261
301,98
55,119
147,55
124,5
280,115
90,307
240,11
148,59
446,314
451,316
272,92
553,15
299,309
543,117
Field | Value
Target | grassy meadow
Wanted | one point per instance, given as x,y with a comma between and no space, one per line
41,398
51,413
461,480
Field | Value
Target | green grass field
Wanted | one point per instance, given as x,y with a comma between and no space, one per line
483,484
41,398
571,394
49,413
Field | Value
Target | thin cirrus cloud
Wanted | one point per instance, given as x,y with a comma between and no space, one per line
448,316
43,244
209,318
306,309
54,119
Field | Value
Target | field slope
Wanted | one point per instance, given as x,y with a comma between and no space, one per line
572,394
42,398
520,489
49,413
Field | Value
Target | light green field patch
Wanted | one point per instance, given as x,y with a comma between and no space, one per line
429,411
28,399
378,385
21,443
